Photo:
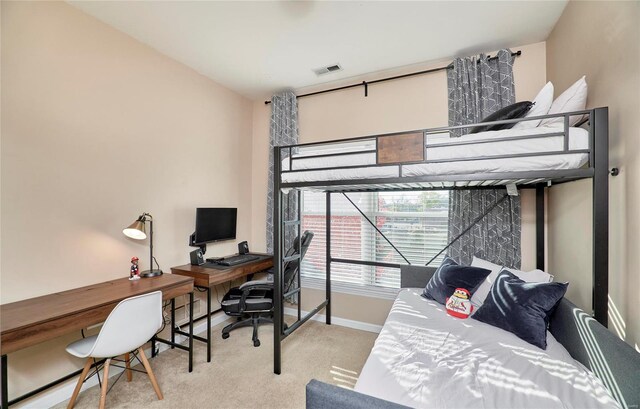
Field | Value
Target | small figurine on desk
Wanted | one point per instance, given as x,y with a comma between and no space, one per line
134,274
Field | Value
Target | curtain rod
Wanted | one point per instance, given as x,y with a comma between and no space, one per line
367,83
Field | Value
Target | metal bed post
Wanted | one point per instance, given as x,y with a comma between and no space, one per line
328,259
277,265
540,226
600,117
299,193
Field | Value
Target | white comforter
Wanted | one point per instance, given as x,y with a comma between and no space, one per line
425,358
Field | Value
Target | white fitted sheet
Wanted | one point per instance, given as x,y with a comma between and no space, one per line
426,358
578,139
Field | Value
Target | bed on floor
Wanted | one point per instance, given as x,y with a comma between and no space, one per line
425,358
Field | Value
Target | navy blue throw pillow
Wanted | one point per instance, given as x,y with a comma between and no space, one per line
521,308
450,276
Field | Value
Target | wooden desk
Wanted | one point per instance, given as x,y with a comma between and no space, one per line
207,278
30,322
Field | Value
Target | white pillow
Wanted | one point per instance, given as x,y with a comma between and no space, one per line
533,276
573,99
477,299
542,104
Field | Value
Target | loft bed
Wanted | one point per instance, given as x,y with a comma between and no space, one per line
428,159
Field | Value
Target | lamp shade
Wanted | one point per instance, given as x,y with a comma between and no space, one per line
136,230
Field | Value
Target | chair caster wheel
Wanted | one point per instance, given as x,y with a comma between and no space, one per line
225,335
256,343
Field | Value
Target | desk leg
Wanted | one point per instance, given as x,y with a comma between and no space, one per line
191,332
173,322
5,389
208,324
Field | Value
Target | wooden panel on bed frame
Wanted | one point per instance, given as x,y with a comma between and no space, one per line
400,148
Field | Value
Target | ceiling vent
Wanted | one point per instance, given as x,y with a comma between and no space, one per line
328,69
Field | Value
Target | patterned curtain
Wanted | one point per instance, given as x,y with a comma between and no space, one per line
283,130
477,88
495,238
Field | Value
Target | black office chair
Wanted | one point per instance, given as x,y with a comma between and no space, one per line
252,302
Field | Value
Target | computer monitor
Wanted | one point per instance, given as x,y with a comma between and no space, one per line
215,224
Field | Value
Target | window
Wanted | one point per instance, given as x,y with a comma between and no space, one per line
415,222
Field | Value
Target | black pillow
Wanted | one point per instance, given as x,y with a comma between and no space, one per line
520,307
450,276
513,111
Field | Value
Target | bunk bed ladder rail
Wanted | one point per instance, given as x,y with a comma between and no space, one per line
280,226
278,313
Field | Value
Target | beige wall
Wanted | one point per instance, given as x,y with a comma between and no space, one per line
608,53
412,103
97,128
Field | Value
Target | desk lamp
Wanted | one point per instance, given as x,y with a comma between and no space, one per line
137,231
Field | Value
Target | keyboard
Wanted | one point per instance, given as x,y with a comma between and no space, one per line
235,260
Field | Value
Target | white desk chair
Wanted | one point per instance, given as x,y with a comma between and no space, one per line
129,326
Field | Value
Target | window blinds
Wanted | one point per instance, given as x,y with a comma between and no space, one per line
415,222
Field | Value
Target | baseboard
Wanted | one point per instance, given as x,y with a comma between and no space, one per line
343,322
64,391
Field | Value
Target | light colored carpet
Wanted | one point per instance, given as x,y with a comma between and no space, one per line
241,376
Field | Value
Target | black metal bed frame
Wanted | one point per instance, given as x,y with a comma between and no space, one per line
597,169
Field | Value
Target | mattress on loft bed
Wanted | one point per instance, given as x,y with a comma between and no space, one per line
578,139
426,358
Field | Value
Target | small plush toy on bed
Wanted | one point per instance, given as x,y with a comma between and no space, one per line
459,304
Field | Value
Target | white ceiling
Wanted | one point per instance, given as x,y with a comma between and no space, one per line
256,48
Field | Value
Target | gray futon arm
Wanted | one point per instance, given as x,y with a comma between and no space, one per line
612,360
321,395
